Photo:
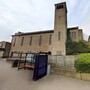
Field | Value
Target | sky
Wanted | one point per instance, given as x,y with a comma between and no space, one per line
38,15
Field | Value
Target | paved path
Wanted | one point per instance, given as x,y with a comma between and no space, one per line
12,79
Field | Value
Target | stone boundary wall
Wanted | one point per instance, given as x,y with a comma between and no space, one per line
62,62
63,65
83,76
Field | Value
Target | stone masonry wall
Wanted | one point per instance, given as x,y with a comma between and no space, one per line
63,65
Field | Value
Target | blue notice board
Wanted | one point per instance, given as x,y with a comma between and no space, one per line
40,67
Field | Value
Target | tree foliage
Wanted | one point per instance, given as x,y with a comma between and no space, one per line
73,47
82,63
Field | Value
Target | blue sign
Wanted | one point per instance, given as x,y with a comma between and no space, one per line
40,67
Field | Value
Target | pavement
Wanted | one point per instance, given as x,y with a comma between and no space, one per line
12,79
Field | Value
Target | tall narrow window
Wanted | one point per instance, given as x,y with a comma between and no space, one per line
60,7
22,41
30,41
50,39
13,41
59,34
74,35
40,40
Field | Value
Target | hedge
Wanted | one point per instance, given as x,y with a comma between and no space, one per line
82,63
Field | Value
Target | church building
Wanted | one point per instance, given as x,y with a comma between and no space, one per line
53,41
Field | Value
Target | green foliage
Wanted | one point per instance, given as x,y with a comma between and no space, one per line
82,63
73,48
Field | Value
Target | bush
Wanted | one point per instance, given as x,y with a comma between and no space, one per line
82,63
74,48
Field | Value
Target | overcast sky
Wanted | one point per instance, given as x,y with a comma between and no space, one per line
36,15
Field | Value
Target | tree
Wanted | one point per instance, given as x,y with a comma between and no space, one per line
73,47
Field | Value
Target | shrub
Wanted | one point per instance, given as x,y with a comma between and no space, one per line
74,48
82,63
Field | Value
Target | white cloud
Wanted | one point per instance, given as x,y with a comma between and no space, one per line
86,25
71,5
31,15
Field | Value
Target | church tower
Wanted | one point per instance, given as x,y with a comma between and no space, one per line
60,29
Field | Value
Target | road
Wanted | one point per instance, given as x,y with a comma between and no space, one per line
12,79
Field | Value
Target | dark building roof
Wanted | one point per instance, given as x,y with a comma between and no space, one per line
5,42
40,32
60,3
72,28
33,33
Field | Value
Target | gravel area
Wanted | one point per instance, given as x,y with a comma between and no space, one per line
12,79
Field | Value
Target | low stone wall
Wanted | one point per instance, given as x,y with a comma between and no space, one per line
63,72
64,65
63,62
83,76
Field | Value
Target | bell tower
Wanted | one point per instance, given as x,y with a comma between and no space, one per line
60,29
